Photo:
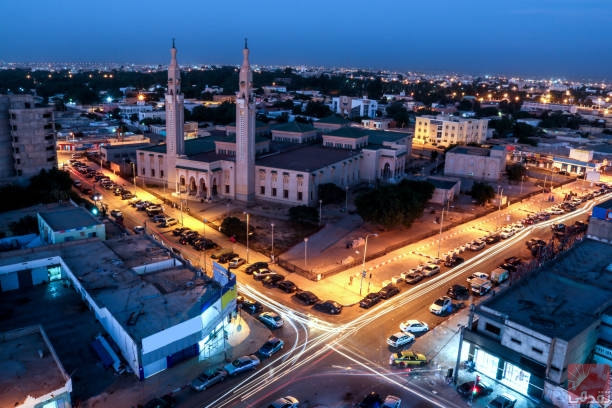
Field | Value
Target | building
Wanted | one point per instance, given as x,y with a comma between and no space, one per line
27,353
379,124
446,189
68,224
27,138
531,336
476,162
354,107
246,164
448,130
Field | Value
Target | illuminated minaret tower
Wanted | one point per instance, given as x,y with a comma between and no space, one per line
245,132
175,117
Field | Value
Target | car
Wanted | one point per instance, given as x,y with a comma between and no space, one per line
372,400
158,217
475,275
453,261
126,195
514,260
226,257
430,270
262,273
556,211
166,401
271,319
441,306
271,346
236,262
400,339
477,245
492,239
168,222
370,300
328,306
389,291
206,380
287,286
412,276
507,233
413,326
285,402
502,401
200,243
306,297
391,401
534,241
458,292
179,230
508,267
475,389
139,229
581,226
116,213
272,280
242,364
407,358
251,306
256,266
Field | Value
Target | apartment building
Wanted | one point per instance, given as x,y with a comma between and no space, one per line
354,107
448,130
476,162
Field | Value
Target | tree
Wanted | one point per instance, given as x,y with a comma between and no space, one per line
317,109
330,193
482,192
304,214
516,172
234,227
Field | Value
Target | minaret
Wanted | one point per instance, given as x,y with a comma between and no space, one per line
245,132
175,117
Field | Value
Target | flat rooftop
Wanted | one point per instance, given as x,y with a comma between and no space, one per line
132,277
564,298
20,359
307,158
68,218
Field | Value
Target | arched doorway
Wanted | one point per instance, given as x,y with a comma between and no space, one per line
214,188
203,190
387,174
192,186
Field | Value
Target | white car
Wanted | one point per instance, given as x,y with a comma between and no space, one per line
413,326
556,211
441,306
271,319
242,364
400,339
391,401
285,402
506,233
480,275
430,270
477,245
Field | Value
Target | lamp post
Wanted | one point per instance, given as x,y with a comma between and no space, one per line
305,252
320,211
363,270
134,173
204,234
346,198
499,200
272,255
440,235
247,235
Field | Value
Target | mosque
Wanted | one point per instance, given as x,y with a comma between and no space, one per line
286,167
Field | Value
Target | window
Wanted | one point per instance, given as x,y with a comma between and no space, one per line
273,192
262,190
161,173
517,341
299,196
493,329
285,193
537,350
227,190
152,172
143,171
15,140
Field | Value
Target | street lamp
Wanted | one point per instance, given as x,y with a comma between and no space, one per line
346,198
272,256
247,235
305,252
499,199
134,173
441,226
204,234
363,270
320,211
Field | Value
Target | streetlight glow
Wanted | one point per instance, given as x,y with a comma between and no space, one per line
272,255
363,270
305,252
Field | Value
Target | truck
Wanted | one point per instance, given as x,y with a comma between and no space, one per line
499,275
480,286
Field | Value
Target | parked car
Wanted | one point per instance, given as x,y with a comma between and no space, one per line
372,400
514,260
391,401
475,389
328,306
370,300
226,257
236,262
492,239
139,229
534,241
272,280
477,245
389,291
453,261
414,326
407,358
306,297
502,401
506,233
179,230
242,364
441,306
430,270
262,273
475,275
271,346
271,319
168,222
206,380
287,286
256,266
285,402
458,292
400,339
412,276
116,214
251,306
165,401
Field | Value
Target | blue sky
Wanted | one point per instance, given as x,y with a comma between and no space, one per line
543,38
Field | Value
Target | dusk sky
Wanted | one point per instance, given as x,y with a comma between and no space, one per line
538,38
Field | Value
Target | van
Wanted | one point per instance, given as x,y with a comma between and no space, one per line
499,275
168,222
480,286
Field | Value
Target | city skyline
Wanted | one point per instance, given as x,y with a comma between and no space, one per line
560,39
